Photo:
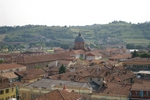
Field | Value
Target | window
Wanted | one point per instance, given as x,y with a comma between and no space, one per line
12,89
144,66
32,96
134,66
24,95
138,93
148,94
6,98
145,93
13,96
1,92
90,79
133,69
7,90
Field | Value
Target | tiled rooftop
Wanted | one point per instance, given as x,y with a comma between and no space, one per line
144,85
116,89
4,83
49,83
10,75
121,56
43,58
10,66
30,74
60,95
138,60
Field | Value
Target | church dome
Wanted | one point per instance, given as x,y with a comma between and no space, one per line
79,38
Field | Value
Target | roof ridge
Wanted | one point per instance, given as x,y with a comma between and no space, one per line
61,95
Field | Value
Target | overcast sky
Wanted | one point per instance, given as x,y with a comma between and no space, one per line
72,12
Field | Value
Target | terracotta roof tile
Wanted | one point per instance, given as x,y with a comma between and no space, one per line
138,60
121,56
10,66
144,85
43,58
34,72
4,83
59,95
52,69
10,75
116,89
95,53
29,77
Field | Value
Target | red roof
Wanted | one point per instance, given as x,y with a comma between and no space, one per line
10,66
43,58
60,95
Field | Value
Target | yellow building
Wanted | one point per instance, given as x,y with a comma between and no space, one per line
6,93
7,90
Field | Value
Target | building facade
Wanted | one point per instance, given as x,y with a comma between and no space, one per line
137,64
140,91
7,90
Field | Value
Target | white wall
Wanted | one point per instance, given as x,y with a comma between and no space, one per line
97,80
90,57
98,57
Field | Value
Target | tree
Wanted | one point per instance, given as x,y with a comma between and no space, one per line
62,69
1,61
135,54
38,67
145,55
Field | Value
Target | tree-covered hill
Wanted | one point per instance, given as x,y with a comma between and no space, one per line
114,32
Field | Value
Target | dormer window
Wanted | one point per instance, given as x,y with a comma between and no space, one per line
17,70
90,79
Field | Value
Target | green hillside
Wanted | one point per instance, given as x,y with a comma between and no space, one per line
114,32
